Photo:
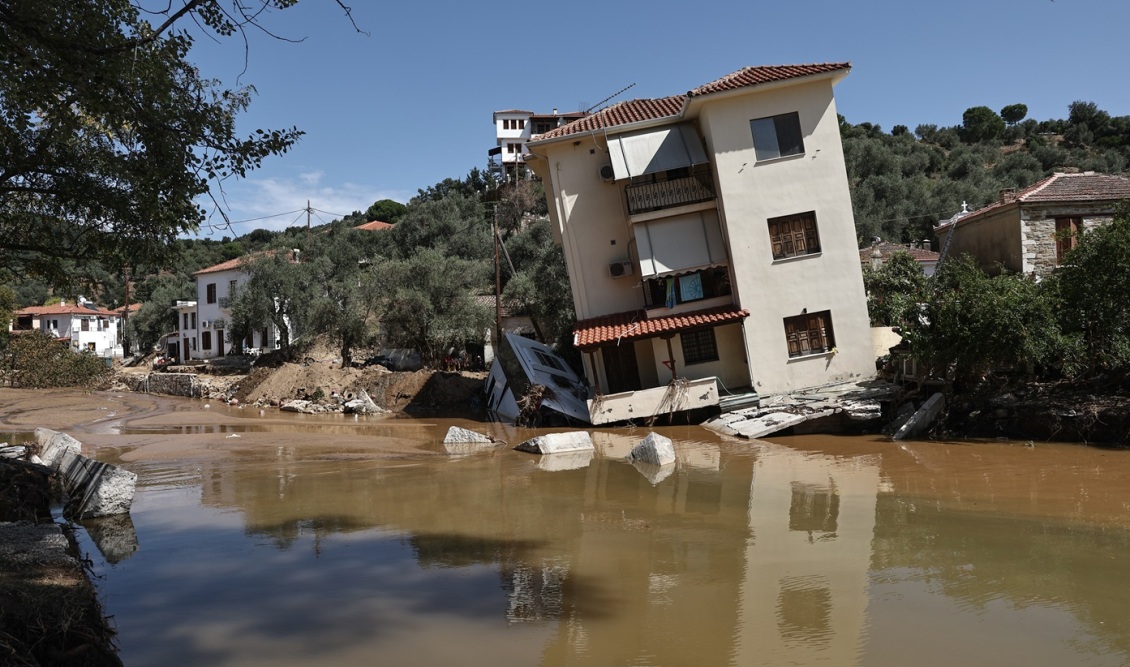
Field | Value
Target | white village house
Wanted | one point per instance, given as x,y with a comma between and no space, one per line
203,324
709,238
84,326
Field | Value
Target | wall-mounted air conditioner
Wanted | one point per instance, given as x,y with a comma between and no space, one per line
620,269
205,324
607,174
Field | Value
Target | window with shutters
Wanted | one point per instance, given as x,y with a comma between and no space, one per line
210,293
1066,236
794,235
809,334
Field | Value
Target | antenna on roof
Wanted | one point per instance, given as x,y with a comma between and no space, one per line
613,96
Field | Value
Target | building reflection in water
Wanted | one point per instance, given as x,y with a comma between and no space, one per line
804,593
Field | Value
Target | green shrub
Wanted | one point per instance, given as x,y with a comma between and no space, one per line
35,360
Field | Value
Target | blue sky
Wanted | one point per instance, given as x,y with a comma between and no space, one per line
410,104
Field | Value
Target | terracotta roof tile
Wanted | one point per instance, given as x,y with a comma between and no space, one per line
68,309
1085,187
375,226
223,266
886,249
752,76
621,113
635,111
635,324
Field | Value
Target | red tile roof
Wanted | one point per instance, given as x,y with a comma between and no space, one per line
635,324
635,111
752,76
68,309
375,226
886,249
1085,187
223,266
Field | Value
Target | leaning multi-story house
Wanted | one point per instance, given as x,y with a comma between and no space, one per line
709,238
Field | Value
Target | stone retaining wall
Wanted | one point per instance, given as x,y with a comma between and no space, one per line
172,384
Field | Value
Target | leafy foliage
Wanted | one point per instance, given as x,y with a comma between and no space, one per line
35,360
109,134
429,304
894,291
1091,294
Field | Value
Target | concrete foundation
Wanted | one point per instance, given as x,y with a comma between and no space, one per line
94,489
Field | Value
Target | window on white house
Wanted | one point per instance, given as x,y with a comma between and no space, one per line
777,136
84,324
809,334
794,235
699,347
206,340
193,321
210,293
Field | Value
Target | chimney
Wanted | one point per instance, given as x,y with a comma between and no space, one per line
554,111
1007,195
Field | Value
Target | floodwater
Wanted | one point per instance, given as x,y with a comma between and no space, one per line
287,540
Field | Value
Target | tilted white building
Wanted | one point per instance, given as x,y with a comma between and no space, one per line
709,237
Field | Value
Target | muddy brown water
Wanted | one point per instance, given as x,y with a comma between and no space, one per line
268,539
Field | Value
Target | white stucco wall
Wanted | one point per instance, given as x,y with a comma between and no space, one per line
752,192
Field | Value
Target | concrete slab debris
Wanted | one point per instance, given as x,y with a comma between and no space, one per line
654,449
921,420
558,443
94,489
467,436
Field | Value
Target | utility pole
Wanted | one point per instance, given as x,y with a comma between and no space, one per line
125,319
308,212
497,285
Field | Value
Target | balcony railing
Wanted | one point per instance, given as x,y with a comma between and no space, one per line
225,302
646,197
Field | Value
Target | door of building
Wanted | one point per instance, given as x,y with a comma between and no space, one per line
620,368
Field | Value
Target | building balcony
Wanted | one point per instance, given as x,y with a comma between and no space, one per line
658,195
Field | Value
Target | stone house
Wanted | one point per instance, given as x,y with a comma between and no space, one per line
1030,231
709,238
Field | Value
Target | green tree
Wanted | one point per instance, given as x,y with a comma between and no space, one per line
894,291
342,303
1014,113
156,317
1091,289
8,306
981,124
110,135
386,210
973,326
541,282
276,293
429,303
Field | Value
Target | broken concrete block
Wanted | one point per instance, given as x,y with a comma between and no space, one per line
921,419
96,489
362,404
557,443
54,444
654,449
463,435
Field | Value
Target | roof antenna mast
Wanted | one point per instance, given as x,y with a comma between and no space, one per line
613,96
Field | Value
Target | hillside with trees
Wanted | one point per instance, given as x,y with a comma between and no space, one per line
903,182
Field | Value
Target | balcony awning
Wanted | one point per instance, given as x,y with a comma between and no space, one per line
635,325
653,151
679,244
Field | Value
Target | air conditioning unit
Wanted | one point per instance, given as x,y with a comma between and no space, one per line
204,324
607,174
620,269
